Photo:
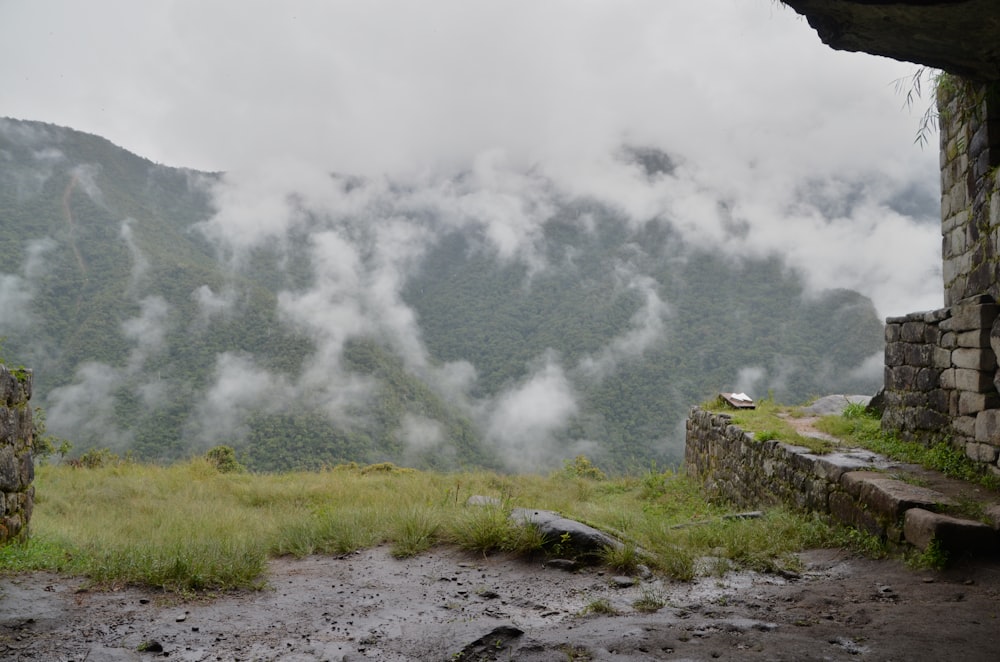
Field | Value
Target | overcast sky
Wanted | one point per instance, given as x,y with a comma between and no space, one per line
740,91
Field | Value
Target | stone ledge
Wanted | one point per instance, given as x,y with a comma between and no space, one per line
953,535
890,497
847,484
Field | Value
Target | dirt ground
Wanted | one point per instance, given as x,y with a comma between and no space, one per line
446,605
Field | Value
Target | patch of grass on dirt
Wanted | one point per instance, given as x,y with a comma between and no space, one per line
187,527
769,421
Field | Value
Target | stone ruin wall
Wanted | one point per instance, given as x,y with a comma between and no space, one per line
17,469
941,366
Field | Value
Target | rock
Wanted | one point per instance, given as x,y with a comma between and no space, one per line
556,528
622,581
830,405
562,564
953,535
491,646
959,37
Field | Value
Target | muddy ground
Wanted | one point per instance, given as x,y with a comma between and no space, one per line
447,605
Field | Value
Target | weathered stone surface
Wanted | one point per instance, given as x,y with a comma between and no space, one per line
974,359
978,338
921,527
957,36
964,426
987,429
912,332
976,381
895,354
889,497
981,452
973,403
554,527
17,468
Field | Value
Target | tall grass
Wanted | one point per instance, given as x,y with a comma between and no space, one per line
188,527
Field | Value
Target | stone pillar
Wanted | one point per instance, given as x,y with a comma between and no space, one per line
17,469
970,204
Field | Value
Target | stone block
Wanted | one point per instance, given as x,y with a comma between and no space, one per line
892,332
939,400
982,275
846,509
935,316
995,337
927,379
965,426
981,452
948,340
927,419
977,338
953,242
912,332
976,381
951,270
895,354
987,428
890,498
973,403
969,317
946,379
10,470
901,378
940,357
953,535
932,334
918,355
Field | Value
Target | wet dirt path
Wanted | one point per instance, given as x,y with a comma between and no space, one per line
446,605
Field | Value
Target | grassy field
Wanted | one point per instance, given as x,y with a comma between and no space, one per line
189,527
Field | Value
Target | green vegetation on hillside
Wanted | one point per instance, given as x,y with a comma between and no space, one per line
127,313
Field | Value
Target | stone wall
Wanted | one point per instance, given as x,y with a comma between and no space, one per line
940,369
17,469
941,366
970,207
850,485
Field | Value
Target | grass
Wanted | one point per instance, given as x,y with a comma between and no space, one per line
861,428
769,421
188,527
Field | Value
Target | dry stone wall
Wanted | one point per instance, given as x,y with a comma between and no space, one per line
941,366
940,373
16,464
970,206
849,485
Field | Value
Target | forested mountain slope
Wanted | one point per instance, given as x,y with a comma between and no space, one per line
484,318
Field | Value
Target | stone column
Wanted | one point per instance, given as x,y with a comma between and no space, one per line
17,469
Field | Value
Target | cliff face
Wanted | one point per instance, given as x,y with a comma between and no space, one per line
959,36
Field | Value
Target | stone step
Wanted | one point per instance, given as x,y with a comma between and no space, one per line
953,535
889,497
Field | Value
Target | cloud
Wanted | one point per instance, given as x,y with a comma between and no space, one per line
86,408
523,420
147,330
645,328
239,388
210,304
17,291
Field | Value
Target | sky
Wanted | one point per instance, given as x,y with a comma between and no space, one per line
483,115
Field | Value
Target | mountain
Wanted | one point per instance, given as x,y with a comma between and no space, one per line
486,318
